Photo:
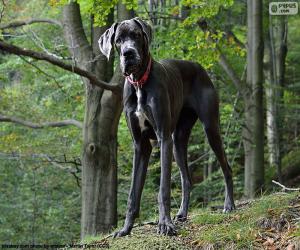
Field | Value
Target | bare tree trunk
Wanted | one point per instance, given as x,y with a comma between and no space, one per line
102,113
153,10
98,209
276,51
253,132
123,12
271,106
102,119
99,175
163,5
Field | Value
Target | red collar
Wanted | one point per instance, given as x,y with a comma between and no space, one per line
143,79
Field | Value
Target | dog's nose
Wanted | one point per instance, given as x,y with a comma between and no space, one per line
128,53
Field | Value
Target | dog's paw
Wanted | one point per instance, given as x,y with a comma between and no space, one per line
121,233
180,217
166,228
229,208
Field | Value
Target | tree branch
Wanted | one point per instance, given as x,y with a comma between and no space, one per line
17,24
230,35
198,159
224,63
284,187
115,88
63,123
49,159
78,44
69,169
63,158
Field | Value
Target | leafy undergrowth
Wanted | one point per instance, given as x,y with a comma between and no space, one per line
270,222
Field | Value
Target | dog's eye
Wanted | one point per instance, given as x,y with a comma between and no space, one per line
134,35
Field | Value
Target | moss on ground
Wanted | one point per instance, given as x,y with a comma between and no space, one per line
270,221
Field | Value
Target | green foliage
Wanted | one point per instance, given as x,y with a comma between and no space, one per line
213,189
39,198
38,201
185,39
130,4
100,9
291,160
192,46
204,9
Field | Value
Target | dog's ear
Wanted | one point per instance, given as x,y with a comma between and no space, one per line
146,28
106,41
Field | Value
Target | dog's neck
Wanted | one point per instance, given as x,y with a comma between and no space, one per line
135,77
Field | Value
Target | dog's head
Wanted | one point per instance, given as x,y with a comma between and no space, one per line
131,39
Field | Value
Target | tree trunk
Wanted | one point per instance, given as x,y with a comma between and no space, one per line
102,114
123,12
276,51
99,175
153,11
253,132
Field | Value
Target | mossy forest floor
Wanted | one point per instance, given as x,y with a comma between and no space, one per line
270,222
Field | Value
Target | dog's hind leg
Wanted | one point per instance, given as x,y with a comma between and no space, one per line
208,112
214,139
181,136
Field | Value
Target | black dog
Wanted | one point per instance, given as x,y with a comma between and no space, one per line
162,101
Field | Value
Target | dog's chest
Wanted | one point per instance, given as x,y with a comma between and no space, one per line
140,110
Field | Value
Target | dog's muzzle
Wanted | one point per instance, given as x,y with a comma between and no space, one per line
130,61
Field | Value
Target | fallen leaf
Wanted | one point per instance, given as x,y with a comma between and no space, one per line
290,247
268,242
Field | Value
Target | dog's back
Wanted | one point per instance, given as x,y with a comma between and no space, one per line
192,80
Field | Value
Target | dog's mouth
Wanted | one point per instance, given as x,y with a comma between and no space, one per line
130,68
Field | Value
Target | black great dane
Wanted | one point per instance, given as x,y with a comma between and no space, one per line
162,101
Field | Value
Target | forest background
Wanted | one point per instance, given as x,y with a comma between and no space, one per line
65,148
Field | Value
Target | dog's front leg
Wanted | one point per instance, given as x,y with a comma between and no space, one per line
165,225
142,152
